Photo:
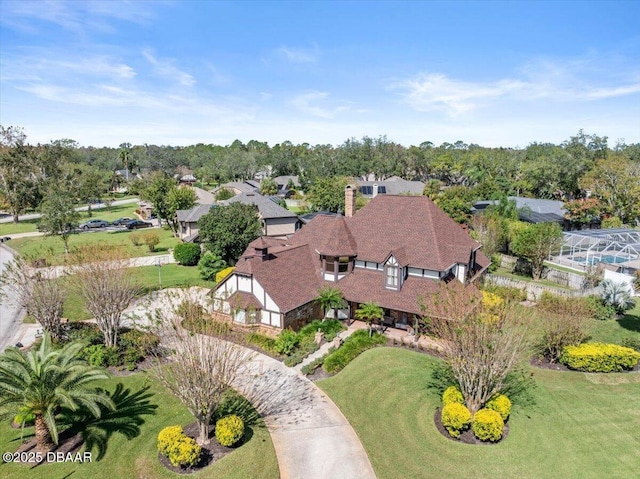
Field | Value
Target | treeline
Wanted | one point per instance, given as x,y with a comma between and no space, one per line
583,163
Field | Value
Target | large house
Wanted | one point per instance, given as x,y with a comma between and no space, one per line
276,220
394,252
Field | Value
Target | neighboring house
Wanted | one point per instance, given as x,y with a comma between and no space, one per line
395,252
238,187
188,221
391,186
188,180
276,220
533,210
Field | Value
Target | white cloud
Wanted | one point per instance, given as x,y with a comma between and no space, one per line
542,80
299,55
310,103
167,69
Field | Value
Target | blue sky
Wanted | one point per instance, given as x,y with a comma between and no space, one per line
184,72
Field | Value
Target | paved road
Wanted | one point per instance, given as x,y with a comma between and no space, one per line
97,206
10,315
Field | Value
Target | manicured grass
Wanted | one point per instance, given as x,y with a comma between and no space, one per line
172,276
581,426
25,226
52,248
615,330
137,457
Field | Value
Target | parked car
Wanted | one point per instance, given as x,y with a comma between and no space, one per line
94,224
121,221
135,224
5,238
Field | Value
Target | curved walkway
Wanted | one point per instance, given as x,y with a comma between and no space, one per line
311,436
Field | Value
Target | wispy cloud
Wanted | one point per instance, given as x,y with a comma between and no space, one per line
299,55
311,103
167,69
537,80
75,16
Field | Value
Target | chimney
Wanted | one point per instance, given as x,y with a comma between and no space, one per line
349,200
375,190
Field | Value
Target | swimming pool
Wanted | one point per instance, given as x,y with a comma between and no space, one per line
604,259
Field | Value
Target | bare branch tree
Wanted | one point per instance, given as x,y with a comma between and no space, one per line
482,347
39,292
201,370
102,276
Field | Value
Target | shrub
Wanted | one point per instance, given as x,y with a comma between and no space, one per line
487,425
210,265
491,301
224,273
617,295
355,344
560,331
140,341
102,356
264,342
86,332
151,239
224,194
452,395
167,438
599,310
181,450
135,238
286,342
509,294
456,418
229,430
500,404
632,343
330,328
187,254
315,364
599,358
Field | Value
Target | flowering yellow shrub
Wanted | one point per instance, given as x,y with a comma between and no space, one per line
181,450
500,404
186,452
487,425
220,275
452,395
455,418
167,438
229,430
599,358
491,301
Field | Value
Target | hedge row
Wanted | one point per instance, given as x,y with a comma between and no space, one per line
354,345
599,358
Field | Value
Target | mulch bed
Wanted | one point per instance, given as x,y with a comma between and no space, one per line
67,445
467,436
211,452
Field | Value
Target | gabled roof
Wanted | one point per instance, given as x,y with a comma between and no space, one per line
194,214
242,300
430,239
290,276
396,186
268,209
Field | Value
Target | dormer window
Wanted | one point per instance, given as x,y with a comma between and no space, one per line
391,273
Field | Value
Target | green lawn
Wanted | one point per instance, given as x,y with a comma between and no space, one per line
581,426
52,248
107,214
137,457
615,330
172,276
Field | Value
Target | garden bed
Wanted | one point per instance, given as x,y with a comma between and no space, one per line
467,436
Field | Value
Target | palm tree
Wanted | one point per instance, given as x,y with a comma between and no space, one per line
617,295
369,312
330,298
42,382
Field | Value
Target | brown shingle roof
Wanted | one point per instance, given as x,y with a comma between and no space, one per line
431,240
338,240
242,300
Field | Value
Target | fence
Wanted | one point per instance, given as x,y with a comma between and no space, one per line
534,291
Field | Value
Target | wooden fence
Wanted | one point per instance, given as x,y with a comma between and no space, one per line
534,290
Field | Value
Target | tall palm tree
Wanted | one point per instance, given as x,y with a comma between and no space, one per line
330,298
369,312
42,382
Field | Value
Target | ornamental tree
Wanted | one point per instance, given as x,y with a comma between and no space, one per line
536,243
